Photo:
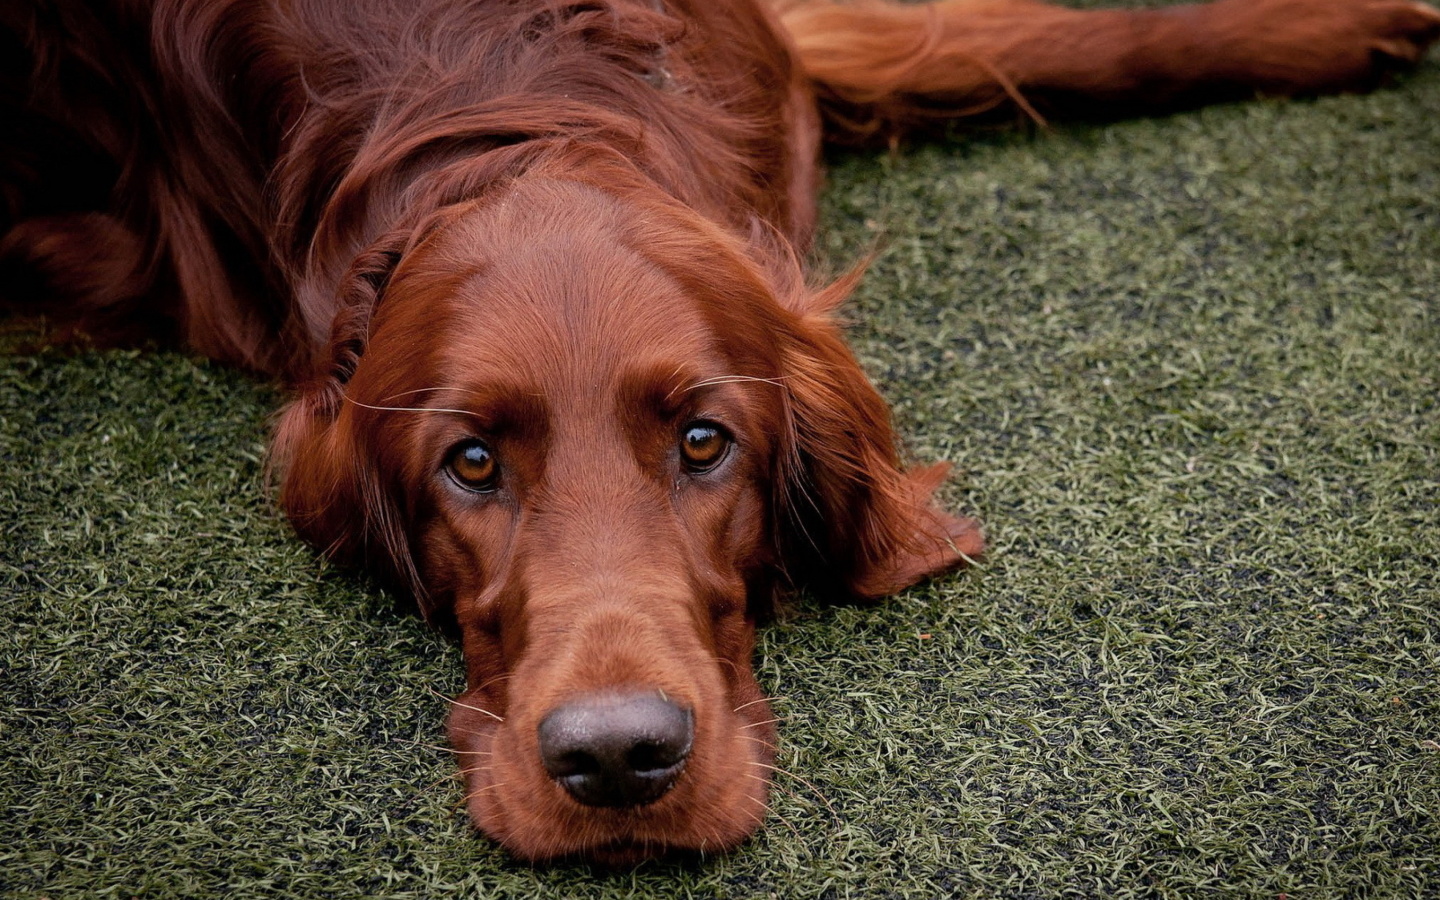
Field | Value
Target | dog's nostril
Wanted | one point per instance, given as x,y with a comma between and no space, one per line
577,763
652,757
616,749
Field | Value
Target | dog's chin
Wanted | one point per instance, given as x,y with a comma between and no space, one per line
622,840
718,803
627,854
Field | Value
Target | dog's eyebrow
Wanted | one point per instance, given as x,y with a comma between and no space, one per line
727,379
426,409
427,390
502,407
432,390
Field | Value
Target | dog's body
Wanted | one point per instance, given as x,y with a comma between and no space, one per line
533,266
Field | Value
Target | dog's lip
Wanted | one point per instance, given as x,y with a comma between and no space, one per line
624,851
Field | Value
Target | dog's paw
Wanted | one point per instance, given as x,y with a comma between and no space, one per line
1401,31
1324,46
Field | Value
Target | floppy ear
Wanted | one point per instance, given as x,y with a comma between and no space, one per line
330,488
855,521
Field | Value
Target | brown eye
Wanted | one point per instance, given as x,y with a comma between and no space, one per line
703,445
473,466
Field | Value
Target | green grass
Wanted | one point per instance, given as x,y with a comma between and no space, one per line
1188,372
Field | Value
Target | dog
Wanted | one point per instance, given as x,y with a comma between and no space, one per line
533,269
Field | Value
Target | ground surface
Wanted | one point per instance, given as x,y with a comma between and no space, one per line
1187,371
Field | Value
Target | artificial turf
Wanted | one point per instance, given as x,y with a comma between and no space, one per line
1187,371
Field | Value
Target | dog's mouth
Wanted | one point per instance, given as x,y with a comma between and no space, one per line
624,853
621,853
616,778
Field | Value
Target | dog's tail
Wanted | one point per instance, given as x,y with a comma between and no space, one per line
881,68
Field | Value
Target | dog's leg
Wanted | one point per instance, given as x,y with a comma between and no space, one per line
881,68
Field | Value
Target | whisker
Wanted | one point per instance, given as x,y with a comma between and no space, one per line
734,379
793,796
419,409
771,810
475,770
813,788
766,722
727,379
436,388
420,745
490,681
489,787
753,702
435,784
456,702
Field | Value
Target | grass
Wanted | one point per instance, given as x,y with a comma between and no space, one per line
1188,372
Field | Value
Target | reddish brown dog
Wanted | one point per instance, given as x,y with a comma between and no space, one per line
532,266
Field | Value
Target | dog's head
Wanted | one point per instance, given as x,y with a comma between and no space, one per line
596,431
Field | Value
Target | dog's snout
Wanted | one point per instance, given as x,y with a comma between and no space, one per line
616,749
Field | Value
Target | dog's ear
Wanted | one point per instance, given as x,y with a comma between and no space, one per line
852,519
330,487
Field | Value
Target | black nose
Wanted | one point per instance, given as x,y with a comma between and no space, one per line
616,749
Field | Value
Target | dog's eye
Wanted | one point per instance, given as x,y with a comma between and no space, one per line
703,445
473,466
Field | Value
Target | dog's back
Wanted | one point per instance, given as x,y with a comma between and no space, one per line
211,169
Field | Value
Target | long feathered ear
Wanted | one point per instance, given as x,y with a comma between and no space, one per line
330,487
854,520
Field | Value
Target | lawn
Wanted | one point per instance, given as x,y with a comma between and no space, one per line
1188,372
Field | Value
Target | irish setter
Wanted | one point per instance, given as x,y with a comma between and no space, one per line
533,268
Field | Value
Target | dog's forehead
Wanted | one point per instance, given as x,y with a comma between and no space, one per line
563,303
